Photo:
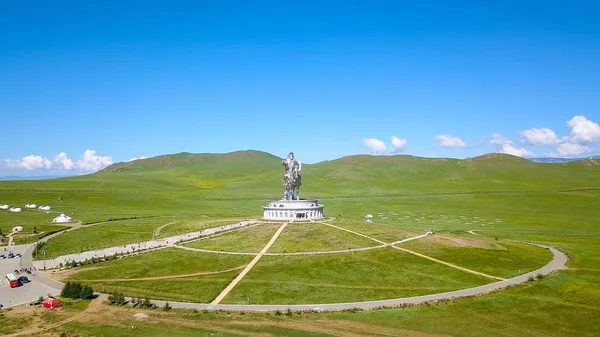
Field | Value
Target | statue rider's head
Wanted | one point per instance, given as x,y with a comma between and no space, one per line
291,155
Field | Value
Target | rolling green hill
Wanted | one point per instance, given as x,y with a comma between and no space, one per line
255,174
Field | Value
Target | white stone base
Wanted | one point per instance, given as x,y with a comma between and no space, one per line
293,210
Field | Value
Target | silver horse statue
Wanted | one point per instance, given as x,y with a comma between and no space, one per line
292,178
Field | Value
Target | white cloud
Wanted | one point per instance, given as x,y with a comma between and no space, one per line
541,137
377,146
583,131
136,158
89,162
63,162
93,162
31,162
398,145
505,145
570,150
450,141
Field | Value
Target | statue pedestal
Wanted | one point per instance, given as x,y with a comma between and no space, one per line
293,210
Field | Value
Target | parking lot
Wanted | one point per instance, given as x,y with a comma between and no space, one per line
26,292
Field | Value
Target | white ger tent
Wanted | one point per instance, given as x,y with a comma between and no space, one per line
31,206
4,207
62,218
15,209
44,208
17,229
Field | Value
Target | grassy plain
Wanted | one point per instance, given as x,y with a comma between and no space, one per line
247,240
161,262
553,204
502,259
347,277
315,237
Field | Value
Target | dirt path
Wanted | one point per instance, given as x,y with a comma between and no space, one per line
449,264
353,232
168,277
248,267
95,304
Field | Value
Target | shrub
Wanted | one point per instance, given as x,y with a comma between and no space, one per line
288,312
116,298
539,276
531,279
277,312
167,307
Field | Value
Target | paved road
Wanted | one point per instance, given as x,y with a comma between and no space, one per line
28,292
136,247
41,285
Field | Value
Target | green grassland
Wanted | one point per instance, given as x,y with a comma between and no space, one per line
554,204
502,259
247,240
315,237
194,225
347,277
201,289
161,262
109,234
28,219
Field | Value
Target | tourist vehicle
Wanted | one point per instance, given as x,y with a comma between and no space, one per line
12,280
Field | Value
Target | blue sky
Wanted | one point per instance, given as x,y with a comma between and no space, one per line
83,84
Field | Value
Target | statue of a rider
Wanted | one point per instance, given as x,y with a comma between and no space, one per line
292,178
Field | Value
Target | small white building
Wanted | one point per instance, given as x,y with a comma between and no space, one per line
15,209
17,229
44,208
62,218
4,207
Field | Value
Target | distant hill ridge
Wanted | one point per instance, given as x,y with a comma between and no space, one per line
258,175
254,156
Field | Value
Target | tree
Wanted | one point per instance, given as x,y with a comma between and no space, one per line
87,293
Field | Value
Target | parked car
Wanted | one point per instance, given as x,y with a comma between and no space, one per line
2,257
11,255
24,279
18,255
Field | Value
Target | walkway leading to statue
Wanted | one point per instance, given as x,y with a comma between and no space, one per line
248,267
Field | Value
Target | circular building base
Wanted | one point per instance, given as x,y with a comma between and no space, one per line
290,210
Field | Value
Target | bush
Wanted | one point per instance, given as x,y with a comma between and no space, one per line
539,276
167,307
277,312
116,298
288,312
531,279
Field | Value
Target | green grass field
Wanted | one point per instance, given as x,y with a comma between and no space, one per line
347,277
247,240
502,259
315,237
498,196
161,262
